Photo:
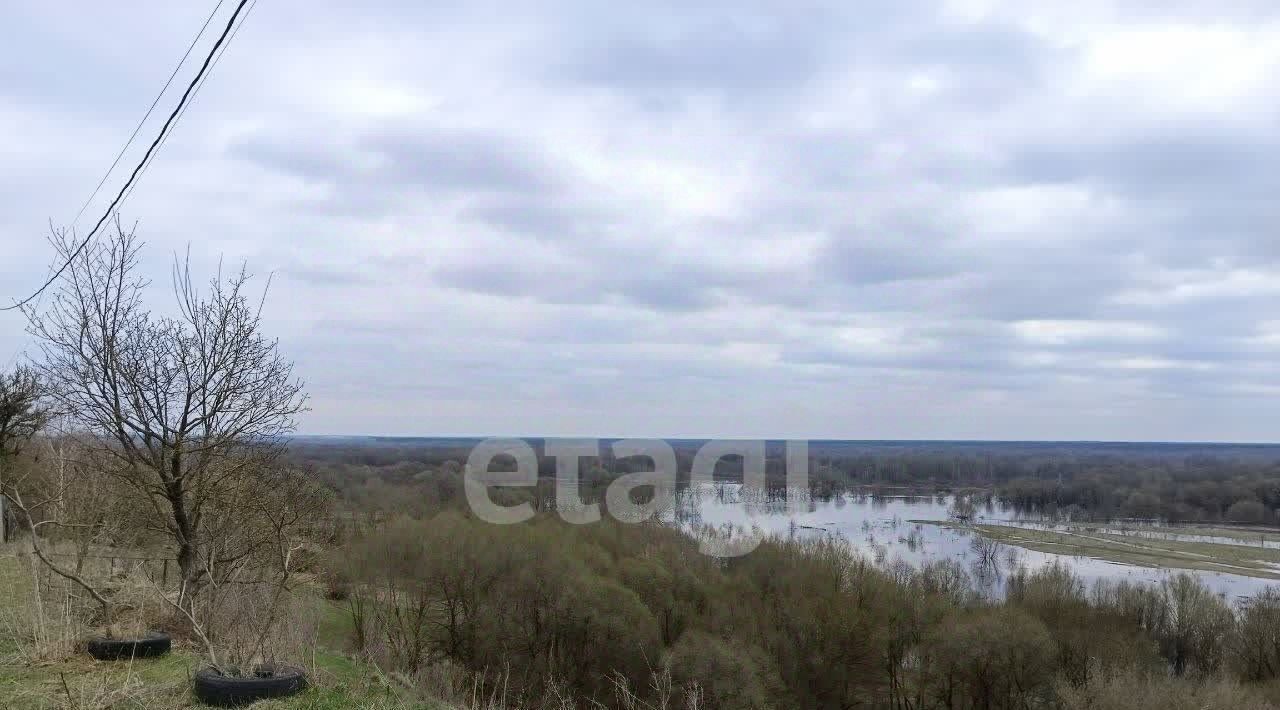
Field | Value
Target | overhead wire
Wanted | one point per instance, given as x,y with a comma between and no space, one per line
232,38
151,150
138,128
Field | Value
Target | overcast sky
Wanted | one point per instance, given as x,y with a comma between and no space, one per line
905,219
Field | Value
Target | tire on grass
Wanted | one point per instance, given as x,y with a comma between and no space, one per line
214,688
149,646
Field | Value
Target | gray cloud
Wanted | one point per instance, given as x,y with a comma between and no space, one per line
730,51
916,219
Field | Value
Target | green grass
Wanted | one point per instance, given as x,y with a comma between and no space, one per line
338,682
14,587
164,683
1135,550
1247,536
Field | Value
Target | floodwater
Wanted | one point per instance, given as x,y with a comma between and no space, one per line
879,527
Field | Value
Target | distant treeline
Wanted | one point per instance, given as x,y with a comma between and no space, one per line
1172,482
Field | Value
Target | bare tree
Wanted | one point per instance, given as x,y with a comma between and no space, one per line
270,527
189,410
986,550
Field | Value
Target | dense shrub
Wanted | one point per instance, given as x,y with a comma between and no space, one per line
723,674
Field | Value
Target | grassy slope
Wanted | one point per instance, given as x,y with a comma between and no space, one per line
161,684
1142,552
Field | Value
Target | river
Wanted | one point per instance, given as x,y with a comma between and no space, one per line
879,527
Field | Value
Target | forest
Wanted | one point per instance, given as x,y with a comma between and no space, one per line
1083,481
611,611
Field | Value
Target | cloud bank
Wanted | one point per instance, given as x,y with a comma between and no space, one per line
921,219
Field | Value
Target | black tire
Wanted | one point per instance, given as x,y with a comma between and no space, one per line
149,646
214,688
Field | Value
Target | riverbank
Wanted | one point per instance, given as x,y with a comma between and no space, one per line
1135,549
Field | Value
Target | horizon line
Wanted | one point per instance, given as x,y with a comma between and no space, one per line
1165,442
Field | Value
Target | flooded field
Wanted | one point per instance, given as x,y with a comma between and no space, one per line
918,529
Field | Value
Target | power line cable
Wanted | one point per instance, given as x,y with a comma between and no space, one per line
195,94
151,149
138,128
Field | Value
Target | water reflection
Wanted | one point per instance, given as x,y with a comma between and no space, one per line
879,525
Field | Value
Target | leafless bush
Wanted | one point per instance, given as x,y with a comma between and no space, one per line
249,626
42,621
248,613
1256,647
1125,689
986,551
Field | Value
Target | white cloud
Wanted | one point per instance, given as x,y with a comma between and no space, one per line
1063,332
973,218
1196,67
